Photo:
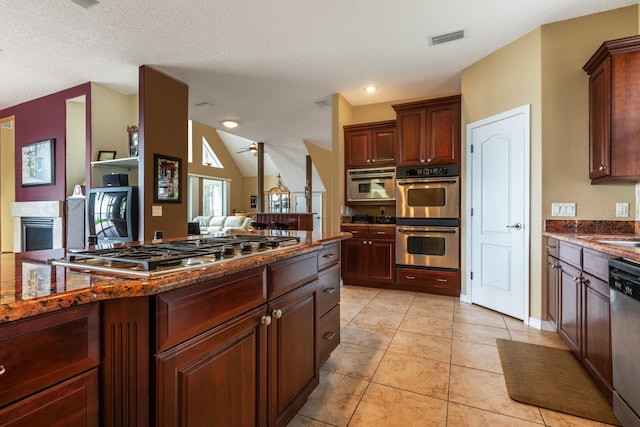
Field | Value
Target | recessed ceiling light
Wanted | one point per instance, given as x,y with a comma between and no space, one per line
230,124
371,89
85,3
205,105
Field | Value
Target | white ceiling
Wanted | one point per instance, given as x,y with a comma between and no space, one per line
264,62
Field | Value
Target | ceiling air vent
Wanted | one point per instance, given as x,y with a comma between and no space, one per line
322,104
443,38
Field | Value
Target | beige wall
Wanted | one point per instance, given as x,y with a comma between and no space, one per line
544,69
321,158
75,143
230,171
111,113
251,189
7,183
566,47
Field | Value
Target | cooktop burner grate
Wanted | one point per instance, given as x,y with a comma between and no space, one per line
149,257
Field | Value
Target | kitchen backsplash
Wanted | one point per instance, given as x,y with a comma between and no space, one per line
592,227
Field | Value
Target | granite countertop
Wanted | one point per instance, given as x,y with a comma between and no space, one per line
592,241
365,224
31,285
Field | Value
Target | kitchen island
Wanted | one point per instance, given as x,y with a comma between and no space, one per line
239,342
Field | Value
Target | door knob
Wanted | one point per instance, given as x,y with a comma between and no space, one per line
517,226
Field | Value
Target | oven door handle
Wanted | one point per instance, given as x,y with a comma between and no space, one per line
427,230
369,178
426,181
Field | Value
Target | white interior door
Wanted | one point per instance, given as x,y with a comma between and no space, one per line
316,207
498,191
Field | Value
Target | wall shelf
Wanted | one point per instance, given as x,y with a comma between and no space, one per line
126,163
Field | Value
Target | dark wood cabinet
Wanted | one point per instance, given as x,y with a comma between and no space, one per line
293,369
570,327
50,367
428,132
614,106
369,258
218,377
583,316
328,306
432,281
370,144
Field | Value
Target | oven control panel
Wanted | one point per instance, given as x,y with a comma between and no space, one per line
427,171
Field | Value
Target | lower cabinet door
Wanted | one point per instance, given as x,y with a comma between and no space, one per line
382,261
293,371
570,326
217,378
72,403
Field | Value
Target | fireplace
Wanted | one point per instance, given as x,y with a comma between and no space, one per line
37,225
37,233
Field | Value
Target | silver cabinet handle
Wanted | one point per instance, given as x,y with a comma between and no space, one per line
329,335
517,226
442,280
410,277
2,369
265,320
328,255
329,290
277,313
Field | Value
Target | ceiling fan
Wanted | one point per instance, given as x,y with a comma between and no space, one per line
253,148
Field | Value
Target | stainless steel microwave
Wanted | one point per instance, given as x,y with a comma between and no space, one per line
371,185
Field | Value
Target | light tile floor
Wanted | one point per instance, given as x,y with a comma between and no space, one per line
412,359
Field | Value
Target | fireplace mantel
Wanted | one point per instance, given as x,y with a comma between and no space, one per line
40,209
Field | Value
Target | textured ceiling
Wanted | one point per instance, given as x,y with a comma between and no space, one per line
264,62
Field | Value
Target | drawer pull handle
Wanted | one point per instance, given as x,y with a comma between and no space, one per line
442,280
328,255
380,232
410,277
277,313
329,290
329,336
2,369
265,320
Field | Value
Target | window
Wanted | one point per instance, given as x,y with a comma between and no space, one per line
209,158
207,196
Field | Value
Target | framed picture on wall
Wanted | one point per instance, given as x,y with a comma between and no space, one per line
38,163
167,181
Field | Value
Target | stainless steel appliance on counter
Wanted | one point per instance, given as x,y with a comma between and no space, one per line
154,259
371,185
428,211
624,285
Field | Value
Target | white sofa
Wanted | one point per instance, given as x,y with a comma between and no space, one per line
217,224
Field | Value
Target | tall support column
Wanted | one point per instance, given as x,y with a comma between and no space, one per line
260,201
308,189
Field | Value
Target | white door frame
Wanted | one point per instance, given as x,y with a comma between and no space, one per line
525,110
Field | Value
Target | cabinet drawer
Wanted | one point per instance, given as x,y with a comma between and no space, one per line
360,232
552,247
39,352
427,278
387,233
328,333
570,253
71,403
287,275
329,255
328,289
184,313
596,264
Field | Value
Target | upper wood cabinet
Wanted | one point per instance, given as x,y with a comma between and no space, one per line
370,144
614,111
428,132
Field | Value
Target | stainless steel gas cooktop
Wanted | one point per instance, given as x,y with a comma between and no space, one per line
160,258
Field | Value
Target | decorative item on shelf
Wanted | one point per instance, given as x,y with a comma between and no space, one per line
168,181
106,155
38,163
133,140
277,198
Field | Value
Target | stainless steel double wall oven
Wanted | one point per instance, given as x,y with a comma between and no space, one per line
428,212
